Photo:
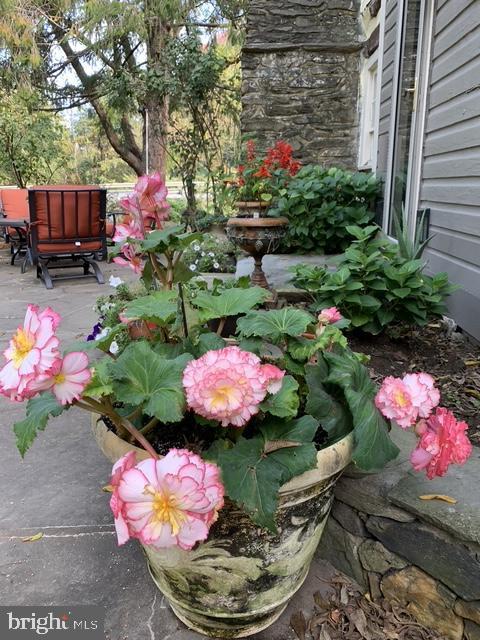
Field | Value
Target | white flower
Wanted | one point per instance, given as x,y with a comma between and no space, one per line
193,267
196,247
211,254
203,254
103,333
114,347
216,265
114,281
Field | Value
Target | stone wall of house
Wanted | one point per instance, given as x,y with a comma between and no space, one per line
300,69
422,554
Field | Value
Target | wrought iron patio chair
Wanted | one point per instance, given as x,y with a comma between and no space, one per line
14,207
67,229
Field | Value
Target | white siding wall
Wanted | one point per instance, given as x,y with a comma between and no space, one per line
389,44
451,167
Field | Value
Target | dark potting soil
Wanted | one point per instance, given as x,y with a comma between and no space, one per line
193,436
449,356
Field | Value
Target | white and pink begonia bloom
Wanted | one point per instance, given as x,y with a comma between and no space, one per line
228,385
407,399
66,379
443,441
32,352
329,316
129,258
168,502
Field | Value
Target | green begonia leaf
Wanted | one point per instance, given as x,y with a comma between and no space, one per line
254,470
160,307
373,446
142,377
275,324
230,302
285,402
39,410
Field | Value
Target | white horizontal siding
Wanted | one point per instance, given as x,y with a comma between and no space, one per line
388,70
451,164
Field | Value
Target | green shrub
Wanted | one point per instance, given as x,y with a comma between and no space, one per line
320,204
374,286
211,254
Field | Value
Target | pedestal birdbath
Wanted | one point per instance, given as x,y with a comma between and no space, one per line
257,236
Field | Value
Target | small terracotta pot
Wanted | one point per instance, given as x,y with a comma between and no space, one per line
241,579
252,209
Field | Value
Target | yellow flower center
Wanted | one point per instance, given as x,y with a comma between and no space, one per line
223,396
400,398
23,343
165,509
59,378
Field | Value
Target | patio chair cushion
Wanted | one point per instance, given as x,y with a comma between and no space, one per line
14,203
14,206
82,208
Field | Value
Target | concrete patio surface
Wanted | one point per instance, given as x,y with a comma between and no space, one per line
57,490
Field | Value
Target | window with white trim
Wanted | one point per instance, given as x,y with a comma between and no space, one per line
369,113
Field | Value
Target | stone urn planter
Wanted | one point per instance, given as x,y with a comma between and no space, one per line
257,236
241,580
252,208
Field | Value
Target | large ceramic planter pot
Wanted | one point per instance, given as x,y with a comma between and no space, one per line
241,579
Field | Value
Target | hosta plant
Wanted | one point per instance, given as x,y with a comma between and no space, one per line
374,286
251,410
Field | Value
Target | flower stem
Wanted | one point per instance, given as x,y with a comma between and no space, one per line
89,404
149,426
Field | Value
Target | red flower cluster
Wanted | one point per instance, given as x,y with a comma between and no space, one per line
259,176
280,157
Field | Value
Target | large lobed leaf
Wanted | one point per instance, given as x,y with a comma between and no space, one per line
231,302
159,307
254,470
275,324
39,410
333,416
140,376
285,402
373,446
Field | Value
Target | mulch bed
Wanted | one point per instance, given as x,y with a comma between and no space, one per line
346,614
449,356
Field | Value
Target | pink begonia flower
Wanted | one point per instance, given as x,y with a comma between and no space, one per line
32,352
406,399
228,385
443,441
272,377
130,259
421,387
168,502
124,231
125,463
329,316
67,378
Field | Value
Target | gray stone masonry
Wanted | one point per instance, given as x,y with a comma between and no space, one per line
300,66
423,554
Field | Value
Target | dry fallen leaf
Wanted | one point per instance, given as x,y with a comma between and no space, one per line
471,363
107,488
438,496
299,624
37,536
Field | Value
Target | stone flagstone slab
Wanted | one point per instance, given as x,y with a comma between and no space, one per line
461,519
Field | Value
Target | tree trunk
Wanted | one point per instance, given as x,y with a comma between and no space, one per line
156,135
156,104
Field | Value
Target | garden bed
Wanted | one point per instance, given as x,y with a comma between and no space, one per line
451,358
